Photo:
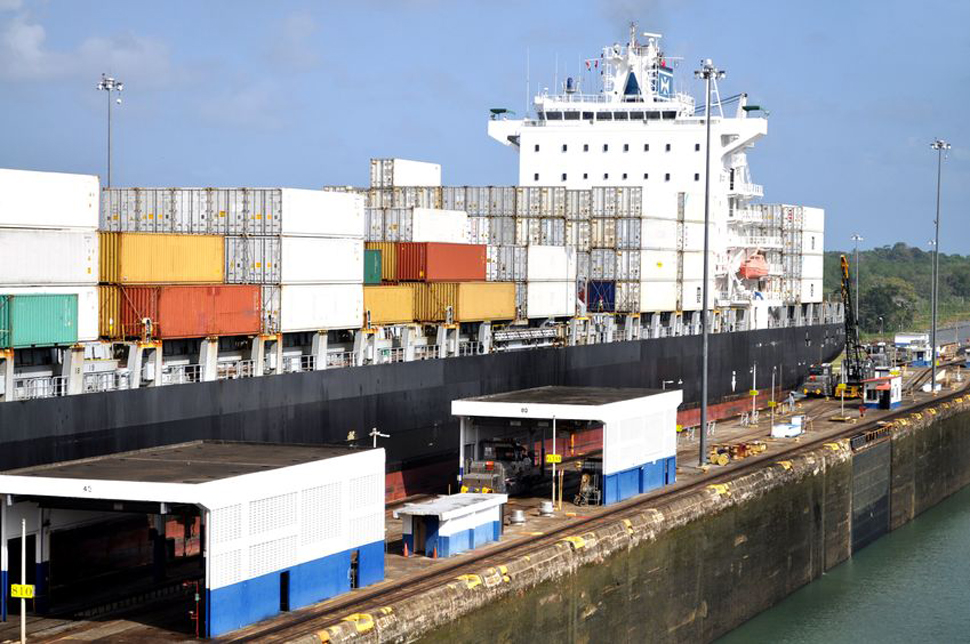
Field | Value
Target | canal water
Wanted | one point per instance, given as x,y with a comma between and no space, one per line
911,585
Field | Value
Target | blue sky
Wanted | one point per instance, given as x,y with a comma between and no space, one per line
304,93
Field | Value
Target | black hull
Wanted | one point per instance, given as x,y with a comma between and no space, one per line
409,401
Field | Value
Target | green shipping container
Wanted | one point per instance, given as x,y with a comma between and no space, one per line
372,267
37,320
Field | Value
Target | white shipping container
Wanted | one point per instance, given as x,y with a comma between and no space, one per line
582,265
628,265
313,307
321,260
453,198
506,263
319,212
393,173
658,296
478,201
602,264
812,243
432,225
550,299
398,224
552,231
43,256
692,294
578,204
813,219
551,263
374,224
658,265
501,231
603,233
812,266
628,233
478,230
502,201
811,290
627,298
658,234
527,231
48,200
87,305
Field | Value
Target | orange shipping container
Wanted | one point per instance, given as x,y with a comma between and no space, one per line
438,262
182,311
469,301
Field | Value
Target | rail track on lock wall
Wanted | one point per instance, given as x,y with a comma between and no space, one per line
311,620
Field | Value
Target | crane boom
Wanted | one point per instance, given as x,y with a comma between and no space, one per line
856,364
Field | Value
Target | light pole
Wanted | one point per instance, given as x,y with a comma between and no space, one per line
108,85
940,146
709,74
880,326
857,238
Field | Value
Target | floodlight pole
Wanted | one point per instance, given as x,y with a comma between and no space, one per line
108,85
708,73
940,146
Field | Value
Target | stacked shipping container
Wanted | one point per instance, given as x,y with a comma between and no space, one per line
294,255
49,267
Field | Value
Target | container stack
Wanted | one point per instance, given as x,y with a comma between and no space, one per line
615,250
49,267
241,260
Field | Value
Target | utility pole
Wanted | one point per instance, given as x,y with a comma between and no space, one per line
857,238
709,74
108,85
940,146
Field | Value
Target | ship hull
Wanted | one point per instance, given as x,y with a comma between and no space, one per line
409,401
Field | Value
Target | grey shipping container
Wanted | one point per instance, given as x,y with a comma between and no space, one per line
582,265
526,231
603,233
602,264
628,233
373,224
628,296
501,231
628,265
453,197
552,232
479,230
502,200
478,201
270,315
578,204
578,234
253,260
507,263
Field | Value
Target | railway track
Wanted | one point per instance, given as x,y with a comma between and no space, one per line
315,619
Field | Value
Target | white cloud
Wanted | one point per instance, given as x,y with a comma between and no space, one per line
26,56
248,106
10,5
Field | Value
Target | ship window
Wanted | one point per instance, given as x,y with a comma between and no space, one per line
667,177
698,294
571,116
813,242
535,177
620,116
554,116
697,147
670,115
563,176
697,176
626,147
636,116
811,290
564,147
606,147
646,147
646,176
606,175
668,147
585,147
537,147
604,116
624,176
653,116
541,115
585,175
587,116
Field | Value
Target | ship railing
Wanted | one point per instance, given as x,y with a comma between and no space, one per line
298,364
106,381
426,352
392,354
470,348
181,374
341,359
234,370
753,189
39,387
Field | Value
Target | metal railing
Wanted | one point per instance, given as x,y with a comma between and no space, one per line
181,374
747,189
470,348
234,370
393,354
39,387
106,381
299,364
426,352
341,359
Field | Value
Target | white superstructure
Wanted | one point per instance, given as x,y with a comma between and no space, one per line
638,130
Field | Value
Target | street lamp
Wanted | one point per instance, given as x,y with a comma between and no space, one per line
108,85
857,238
880,326
709,74
940,146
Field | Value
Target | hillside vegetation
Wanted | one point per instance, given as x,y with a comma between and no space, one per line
896,285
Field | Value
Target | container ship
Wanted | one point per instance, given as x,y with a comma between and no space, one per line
132,317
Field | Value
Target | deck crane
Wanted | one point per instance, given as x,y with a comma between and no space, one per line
856,364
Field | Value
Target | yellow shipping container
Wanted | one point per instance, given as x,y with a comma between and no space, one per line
389,304
109,312
388,259
470,301
150,258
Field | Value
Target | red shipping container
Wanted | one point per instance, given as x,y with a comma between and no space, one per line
439,262
191,311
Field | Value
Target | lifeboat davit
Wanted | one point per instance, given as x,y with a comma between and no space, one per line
754,267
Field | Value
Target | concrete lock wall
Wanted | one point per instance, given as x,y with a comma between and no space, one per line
694,566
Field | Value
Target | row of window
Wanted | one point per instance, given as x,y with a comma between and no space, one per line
606,176
626,147
666,115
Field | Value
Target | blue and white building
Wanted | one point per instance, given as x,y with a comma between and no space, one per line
283,526
452,524
639,429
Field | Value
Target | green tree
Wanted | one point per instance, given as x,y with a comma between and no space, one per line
891,298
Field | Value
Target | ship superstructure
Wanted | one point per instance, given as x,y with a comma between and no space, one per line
638,130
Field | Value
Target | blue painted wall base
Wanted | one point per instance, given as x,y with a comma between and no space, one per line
4,589
637,480
469,539
246,602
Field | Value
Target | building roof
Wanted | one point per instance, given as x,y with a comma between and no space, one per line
568,395
573,403
190,463
455,505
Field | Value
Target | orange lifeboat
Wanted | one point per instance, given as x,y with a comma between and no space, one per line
754,267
